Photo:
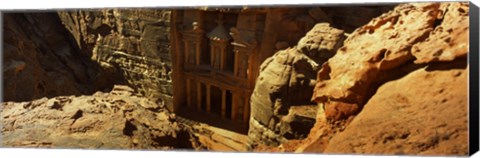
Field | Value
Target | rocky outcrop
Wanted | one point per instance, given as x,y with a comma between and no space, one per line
277,114
347,80
408,116
321,42
114,120
40,61
449,40
132,44
397,86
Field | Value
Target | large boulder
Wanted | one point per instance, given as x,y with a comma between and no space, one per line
280,103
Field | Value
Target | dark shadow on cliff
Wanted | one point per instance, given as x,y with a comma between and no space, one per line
408,67
446,66
213,120
41,59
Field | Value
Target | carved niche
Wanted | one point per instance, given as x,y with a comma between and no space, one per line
244,43
192,43
219,38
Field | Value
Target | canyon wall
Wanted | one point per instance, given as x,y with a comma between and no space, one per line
39,60
394,84
132,44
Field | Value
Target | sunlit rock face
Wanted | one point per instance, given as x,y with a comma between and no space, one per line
387,90
105,120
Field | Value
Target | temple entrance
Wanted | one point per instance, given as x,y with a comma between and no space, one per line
216,98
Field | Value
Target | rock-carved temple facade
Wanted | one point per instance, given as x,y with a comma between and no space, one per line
217,55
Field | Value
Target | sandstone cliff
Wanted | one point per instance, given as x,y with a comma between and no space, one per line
425,111
394,84
132,44
397,86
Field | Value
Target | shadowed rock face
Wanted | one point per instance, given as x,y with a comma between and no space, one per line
349,18
40,61
132,44
114,120
280,103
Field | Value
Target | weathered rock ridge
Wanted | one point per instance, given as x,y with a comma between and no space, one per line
397,86
425,111
393,39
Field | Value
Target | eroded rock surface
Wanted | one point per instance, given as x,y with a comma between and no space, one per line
280,103
449,41
414,117
321,42
114,120
133,44
347,80
418,61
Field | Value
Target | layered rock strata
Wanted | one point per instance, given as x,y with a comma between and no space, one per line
133,44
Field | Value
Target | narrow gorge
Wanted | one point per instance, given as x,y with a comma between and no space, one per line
359,79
